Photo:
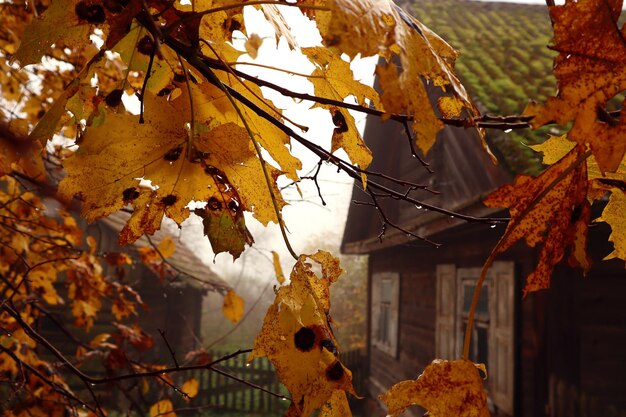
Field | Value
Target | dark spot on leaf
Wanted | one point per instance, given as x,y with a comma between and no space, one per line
329,346
41,113
214,204
164,92
169,200
340,122
613,183
233,25
304,339
92,13
335,371
114,98
179,78
173,154
145,45
211,170
114,6
233,206
192,78
130,194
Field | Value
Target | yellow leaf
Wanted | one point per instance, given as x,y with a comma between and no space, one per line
167,247
445,389
58,22
190,387
554,148
163,408
338,406
381,27
280,277
614,215
136,59
233,306
120,152
298,340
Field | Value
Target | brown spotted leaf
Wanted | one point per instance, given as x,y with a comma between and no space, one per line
122,155
600,183
297,338
550,211
445,389
332,78
590,70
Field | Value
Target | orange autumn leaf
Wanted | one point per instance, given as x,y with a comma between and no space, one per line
551,211
190,387
445,389
297,338
383,28
590,70
163,408
599,184
233,306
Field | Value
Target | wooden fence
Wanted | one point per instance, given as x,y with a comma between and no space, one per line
220,392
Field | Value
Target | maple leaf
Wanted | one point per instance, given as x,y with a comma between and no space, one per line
551,210
613,214
445,389
332,78
212,104
600,183
382,28
224,170
61,21
589,71
297,338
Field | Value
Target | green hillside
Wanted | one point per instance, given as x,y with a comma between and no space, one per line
504,63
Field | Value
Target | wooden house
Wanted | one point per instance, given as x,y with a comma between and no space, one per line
558,352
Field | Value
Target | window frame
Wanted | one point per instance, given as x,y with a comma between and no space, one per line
450,330
387,343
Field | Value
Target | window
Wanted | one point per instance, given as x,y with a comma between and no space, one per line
384,319
492,334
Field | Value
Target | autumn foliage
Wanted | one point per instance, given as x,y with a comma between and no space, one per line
206,142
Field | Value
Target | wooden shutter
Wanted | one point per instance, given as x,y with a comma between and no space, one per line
445,328
501,336
375,312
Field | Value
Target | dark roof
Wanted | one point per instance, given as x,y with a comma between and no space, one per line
463,174
187,269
